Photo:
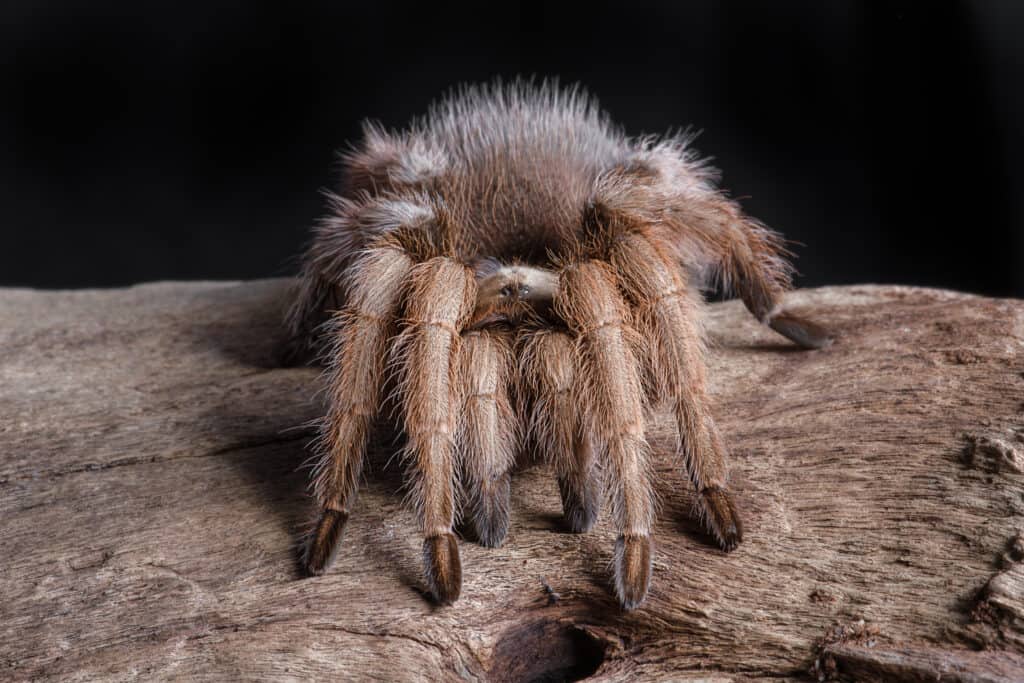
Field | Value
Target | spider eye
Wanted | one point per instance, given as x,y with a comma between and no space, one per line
506,291
524,290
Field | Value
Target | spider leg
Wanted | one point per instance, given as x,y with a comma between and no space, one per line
750,259
441,298
360,335
753,256
487,432
709,232
351,226
668,314
609,385
579,484
550,362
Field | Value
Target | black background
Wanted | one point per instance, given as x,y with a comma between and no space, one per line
145,141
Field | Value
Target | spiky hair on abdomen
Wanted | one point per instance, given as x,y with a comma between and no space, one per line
501,171
510,166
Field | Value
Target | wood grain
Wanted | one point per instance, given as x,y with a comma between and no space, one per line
152,499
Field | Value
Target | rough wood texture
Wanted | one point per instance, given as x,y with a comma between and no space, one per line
152,499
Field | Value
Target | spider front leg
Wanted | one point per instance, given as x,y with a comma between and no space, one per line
550,371
439,302
487,433
357,365
668,312
609,390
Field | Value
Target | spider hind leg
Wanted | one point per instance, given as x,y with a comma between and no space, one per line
551,371
580,490
803,332
487,434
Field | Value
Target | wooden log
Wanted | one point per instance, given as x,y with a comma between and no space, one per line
152,498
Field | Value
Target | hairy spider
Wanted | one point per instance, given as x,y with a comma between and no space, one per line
516,270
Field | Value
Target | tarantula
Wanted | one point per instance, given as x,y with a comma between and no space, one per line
512,269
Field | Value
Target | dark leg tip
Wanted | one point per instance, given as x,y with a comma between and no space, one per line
722,519
492,534
580,512
800,331
323,542
443,568
580,518
632,570
490,512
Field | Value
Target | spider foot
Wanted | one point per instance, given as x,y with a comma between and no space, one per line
580,508
632,570
323,542
443,568
803,332
490,512
721,517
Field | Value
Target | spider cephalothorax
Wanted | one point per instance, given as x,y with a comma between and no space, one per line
520,271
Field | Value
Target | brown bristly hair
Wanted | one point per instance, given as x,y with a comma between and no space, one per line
423,278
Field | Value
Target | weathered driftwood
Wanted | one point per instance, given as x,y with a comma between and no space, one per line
151,499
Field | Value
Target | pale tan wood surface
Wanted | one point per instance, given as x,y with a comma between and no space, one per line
151,500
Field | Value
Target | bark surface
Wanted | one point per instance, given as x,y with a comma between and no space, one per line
152,499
